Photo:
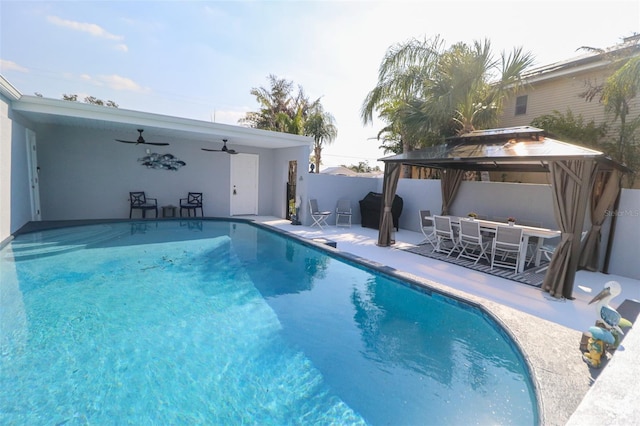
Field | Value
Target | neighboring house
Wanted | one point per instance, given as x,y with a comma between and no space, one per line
59,160
560,86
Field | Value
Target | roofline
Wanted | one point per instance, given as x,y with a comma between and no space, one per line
586,62
7,89
36,104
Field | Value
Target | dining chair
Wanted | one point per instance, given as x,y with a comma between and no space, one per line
471,242
548,249
319,217
507,247
426,226
444,234
139,201
343,213
192,202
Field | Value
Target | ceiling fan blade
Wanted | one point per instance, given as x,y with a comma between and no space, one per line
120,140
212,150
155,143
231,151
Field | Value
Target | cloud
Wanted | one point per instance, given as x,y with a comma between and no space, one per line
93,29
122,47
115,82
6,65
118,82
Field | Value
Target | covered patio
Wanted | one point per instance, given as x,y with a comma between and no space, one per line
581,178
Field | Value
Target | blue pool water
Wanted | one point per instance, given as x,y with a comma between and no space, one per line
217,322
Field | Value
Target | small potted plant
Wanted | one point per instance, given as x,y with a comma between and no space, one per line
472,215
511,220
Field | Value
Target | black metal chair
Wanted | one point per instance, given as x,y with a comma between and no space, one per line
192,202
139,201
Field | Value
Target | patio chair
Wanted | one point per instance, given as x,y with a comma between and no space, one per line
192,202
444,234
548,249
471,242
507,247
319,217
343,213
139,201
426,226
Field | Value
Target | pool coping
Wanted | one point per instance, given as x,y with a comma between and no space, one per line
560,378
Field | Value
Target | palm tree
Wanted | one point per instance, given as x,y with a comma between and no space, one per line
435,93
321,126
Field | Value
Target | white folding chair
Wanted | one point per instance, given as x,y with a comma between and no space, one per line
319,217
471,242
507,247
343,213
426,226
444,233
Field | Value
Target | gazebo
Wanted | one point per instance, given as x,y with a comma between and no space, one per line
580,177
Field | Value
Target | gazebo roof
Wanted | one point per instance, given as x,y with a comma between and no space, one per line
507,149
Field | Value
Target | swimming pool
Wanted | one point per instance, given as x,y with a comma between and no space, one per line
173,322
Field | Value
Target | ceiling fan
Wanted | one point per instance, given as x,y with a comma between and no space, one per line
224,148
141,141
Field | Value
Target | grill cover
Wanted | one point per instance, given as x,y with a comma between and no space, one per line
371,206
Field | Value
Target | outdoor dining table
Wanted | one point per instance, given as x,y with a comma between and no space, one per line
527,232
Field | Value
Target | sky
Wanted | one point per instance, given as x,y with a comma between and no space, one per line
200,59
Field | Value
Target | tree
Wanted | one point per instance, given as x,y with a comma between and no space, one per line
617,94
426,93
321,126
570,128
282,110
362,167
90,100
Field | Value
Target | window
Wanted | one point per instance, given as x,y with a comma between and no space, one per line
521,105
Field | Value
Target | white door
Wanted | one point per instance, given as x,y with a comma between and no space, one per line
34,180
244,184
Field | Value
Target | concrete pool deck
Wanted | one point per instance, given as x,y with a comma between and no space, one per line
549,330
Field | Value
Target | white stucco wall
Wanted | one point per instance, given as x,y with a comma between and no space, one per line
624,254
85,174
15,202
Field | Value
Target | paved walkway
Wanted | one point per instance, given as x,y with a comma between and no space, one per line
611,399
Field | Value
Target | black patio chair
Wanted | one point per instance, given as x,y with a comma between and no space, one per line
192,202
139,201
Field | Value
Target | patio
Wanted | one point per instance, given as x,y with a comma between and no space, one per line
548,329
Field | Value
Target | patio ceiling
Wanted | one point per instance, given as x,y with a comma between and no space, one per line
160,128
522,149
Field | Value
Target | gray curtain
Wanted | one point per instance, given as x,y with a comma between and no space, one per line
449,185
604,193
389,186
571,181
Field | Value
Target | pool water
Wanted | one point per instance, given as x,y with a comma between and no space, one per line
224,322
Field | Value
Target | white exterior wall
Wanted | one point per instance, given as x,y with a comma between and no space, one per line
15,202
531,202
86,174
624,255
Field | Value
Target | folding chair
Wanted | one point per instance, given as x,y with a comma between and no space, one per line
426,226
471,241
444,233
343,213
507,245
319,217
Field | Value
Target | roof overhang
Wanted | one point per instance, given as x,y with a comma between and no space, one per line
163,128
521,149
